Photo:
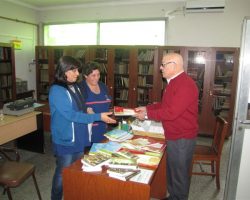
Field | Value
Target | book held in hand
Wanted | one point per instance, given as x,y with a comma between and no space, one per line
121,111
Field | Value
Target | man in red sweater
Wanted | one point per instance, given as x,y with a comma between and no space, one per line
178,112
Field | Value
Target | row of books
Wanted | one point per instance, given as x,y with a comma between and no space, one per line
146,69
121,94
121,81
5,81
4,53
121,68
147,55
145,81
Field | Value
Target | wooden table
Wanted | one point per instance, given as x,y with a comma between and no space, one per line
78,184
27,128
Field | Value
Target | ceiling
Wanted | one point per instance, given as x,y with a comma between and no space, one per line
47,4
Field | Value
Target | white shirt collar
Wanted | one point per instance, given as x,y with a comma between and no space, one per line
168,80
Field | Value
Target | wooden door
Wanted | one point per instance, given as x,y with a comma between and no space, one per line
197,63
121,76
223,83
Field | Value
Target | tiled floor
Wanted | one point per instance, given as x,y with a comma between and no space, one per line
202,187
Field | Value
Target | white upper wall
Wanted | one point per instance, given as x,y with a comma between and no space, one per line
191,29
11,29
196,29
18,12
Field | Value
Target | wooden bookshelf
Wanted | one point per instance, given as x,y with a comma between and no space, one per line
7,73
132,74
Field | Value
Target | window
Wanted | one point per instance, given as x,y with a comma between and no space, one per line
106,33
71,34
132,33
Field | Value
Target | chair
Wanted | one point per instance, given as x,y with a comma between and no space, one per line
13,173
211,155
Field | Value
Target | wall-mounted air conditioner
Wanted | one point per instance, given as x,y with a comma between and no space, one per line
205,6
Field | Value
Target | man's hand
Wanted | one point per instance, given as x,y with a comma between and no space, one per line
105,117
140,113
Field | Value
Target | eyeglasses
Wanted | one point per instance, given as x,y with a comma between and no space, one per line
165,64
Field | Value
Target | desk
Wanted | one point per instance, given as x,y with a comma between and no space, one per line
46,116
27,129
78,184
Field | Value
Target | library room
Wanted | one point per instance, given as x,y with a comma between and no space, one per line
121,99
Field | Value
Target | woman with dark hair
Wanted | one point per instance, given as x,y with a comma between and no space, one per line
97,98
69,119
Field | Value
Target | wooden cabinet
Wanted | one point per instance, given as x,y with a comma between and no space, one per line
104,55
43,72
223,83
122,80
7,73
146,62
198,67
215,72
133,76
46,61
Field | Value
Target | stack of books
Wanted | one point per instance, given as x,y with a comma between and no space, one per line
91,163
118,135
122,174
106,148
145,145
148,128
122,163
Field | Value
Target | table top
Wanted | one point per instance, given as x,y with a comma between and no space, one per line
8,119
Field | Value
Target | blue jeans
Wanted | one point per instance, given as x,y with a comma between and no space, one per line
61,162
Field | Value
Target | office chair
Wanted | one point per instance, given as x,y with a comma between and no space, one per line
13,173
211,155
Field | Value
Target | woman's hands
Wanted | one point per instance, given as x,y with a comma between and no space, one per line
105,117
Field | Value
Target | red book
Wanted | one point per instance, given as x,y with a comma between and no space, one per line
122,111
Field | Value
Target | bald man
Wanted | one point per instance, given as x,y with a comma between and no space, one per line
178,112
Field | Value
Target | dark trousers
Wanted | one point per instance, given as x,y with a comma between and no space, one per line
179,159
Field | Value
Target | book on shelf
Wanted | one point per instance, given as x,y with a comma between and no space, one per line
122,111
94,162
122,174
